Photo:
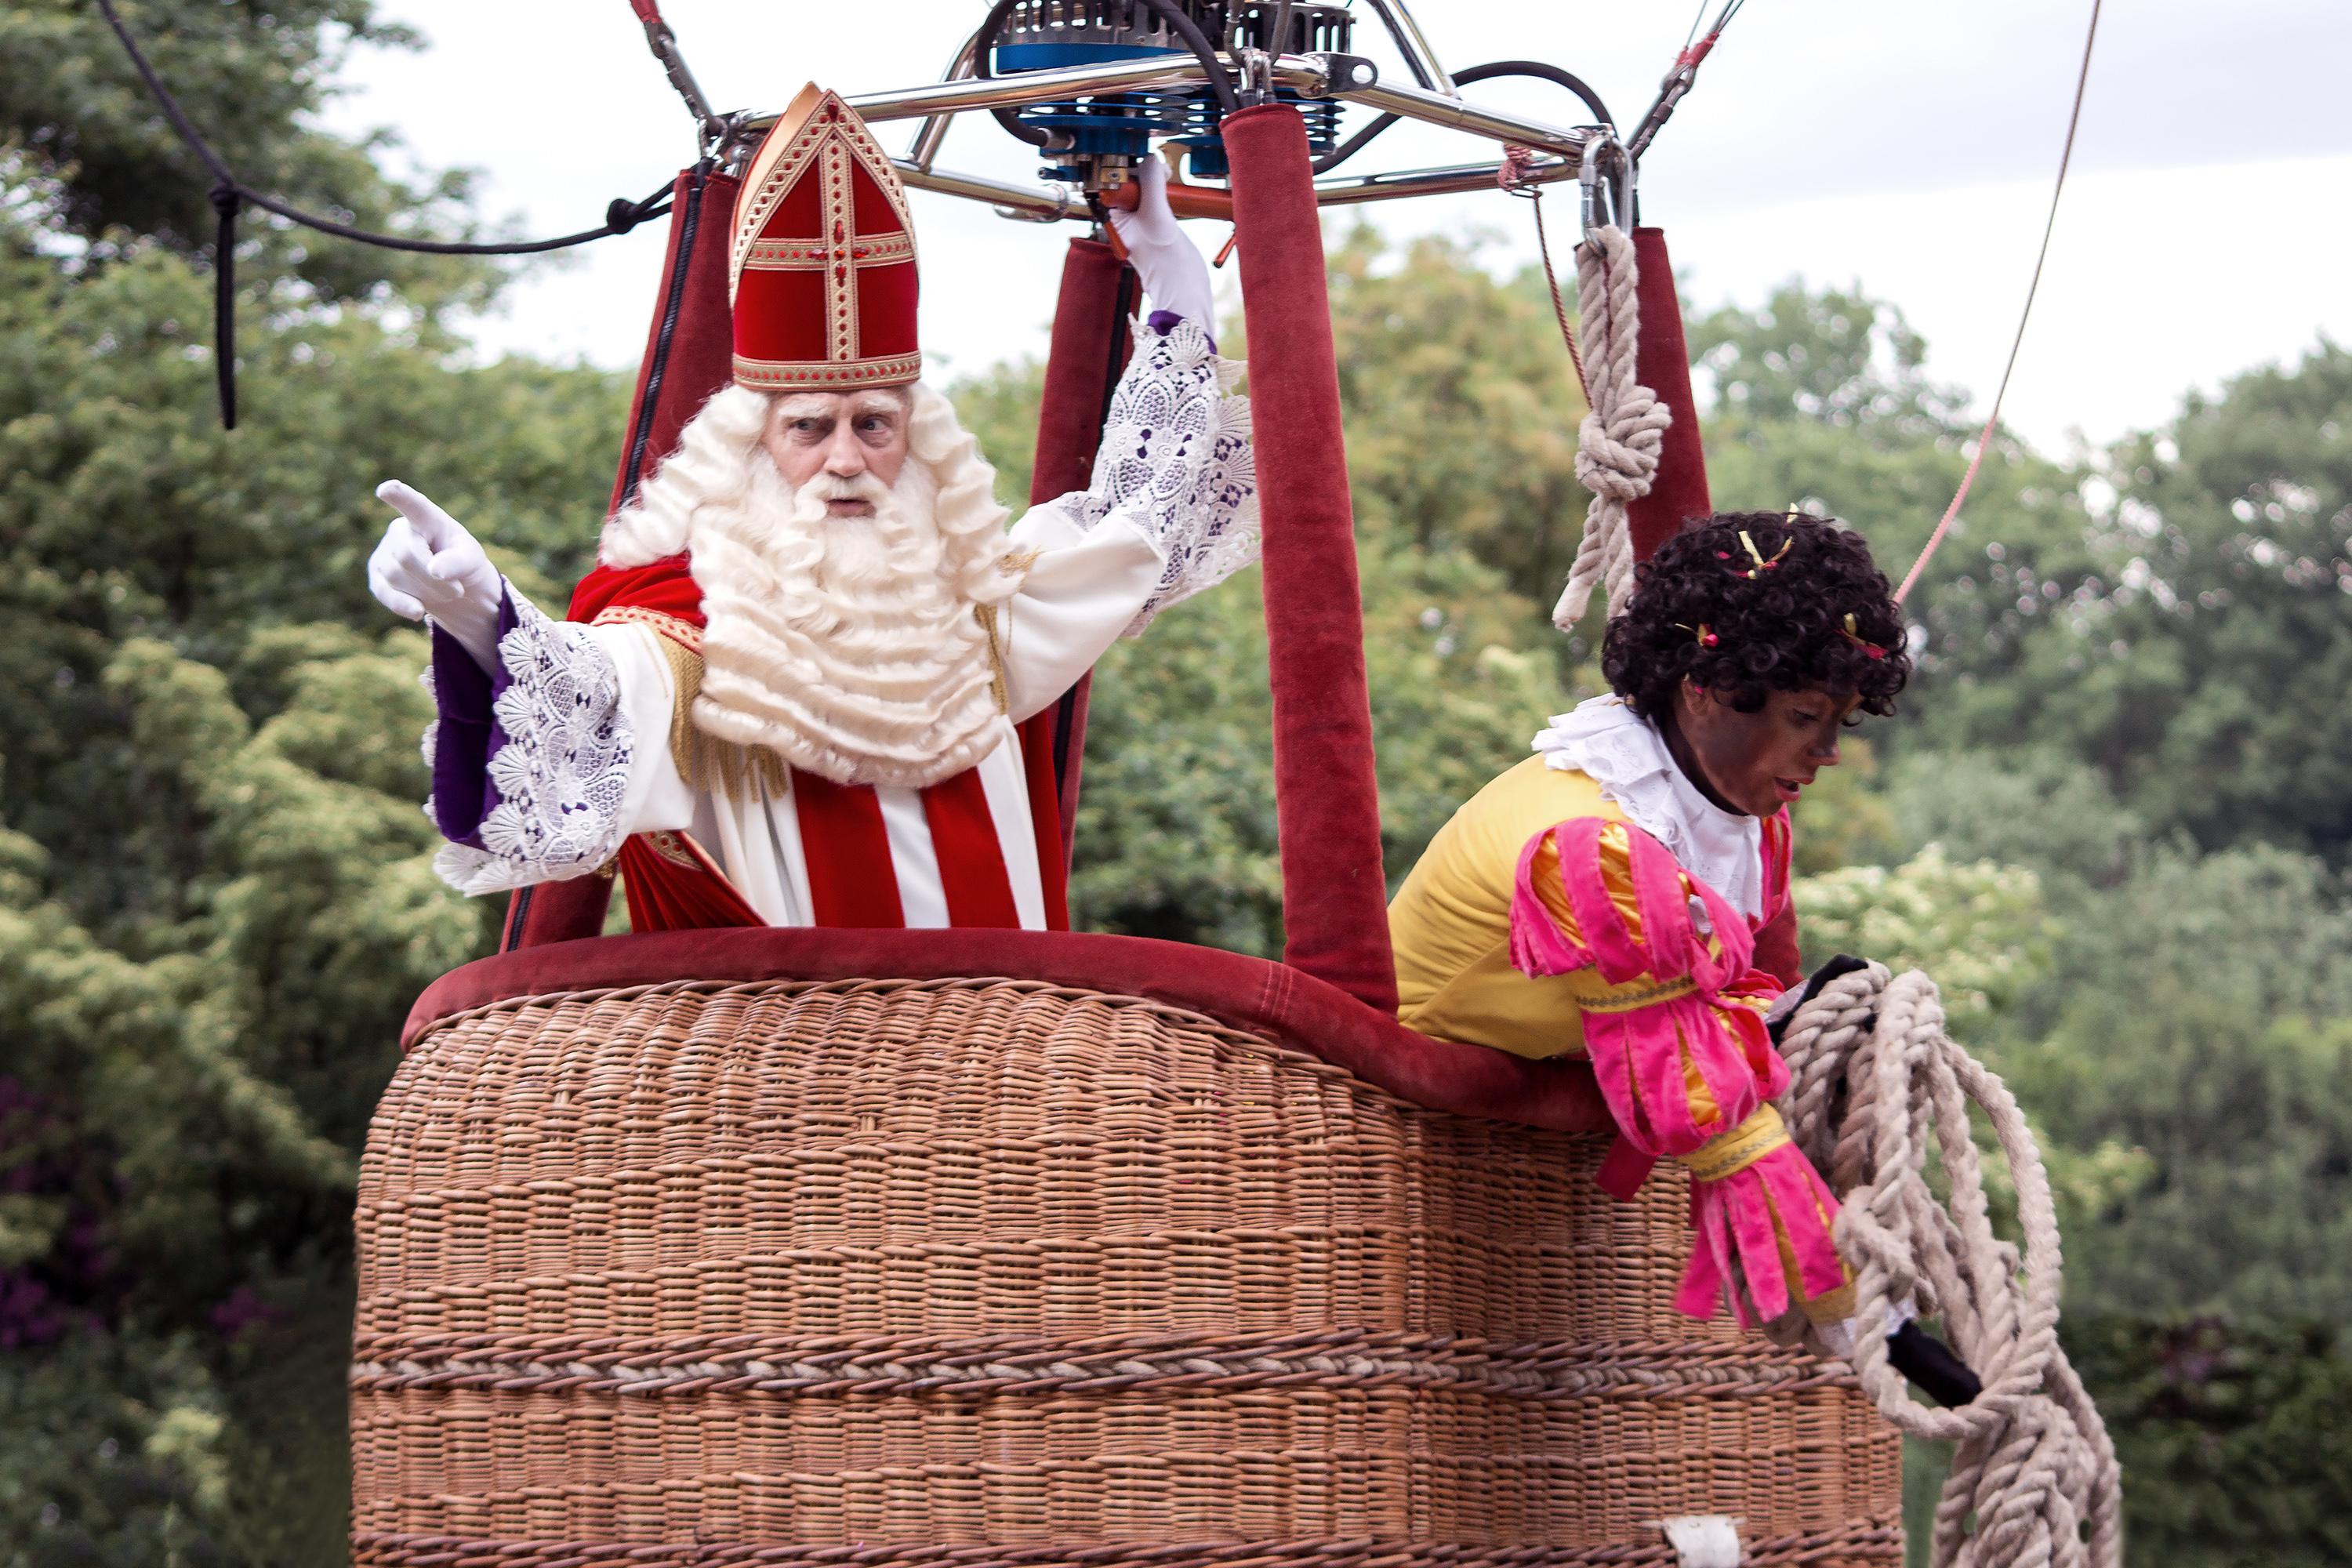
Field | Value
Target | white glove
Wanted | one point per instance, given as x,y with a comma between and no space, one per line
429,565
1175,274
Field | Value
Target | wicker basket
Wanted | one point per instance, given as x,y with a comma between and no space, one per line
976,1271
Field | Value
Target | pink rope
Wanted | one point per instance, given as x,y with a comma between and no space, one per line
1985,440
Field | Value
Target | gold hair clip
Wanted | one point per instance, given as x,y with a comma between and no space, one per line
1869,648
1757,556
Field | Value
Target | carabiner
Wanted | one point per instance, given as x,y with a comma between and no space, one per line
1606,177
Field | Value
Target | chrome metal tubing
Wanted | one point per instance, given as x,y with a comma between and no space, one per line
1303,74
1436,109
1034,204
1046,204
1413,45
934,130
1403,183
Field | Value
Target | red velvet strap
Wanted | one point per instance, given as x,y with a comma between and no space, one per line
1326,801
847,848
701,358
556,911
1662,361
971,856
1090,347
1045,809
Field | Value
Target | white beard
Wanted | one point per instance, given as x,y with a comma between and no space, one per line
853,647
834,641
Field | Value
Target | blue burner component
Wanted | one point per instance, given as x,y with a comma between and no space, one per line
1122,126
1122,123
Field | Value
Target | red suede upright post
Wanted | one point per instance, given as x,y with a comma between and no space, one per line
690,350
1662,364
689,354
1334,894
1088,351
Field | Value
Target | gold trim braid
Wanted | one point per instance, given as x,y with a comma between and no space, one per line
1632,1000
705,762
1731,1152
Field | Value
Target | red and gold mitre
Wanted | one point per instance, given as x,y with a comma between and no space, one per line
822,272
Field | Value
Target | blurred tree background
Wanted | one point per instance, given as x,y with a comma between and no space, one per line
2114,816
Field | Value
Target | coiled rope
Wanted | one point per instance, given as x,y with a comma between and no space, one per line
1870,1068
1619,443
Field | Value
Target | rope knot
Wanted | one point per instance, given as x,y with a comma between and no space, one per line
1619,442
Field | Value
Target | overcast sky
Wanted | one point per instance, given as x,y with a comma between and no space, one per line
2206,228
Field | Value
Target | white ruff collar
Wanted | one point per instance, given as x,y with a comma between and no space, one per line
1625,755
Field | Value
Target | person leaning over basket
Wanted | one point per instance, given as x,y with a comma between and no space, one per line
1602,897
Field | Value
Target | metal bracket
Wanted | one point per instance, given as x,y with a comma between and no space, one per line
1342,73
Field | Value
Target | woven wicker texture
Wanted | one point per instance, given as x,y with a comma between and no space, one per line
947,1267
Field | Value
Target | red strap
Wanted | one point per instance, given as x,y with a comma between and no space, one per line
971,856
1624,1170
646,10
1045,815
851,880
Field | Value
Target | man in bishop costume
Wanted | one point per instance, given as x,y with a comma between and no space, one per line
788,694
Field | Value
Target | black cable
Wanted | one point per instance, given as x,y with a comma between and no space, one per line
619,218
690,228
225,203
982,42
1475,74
229,193
1536,69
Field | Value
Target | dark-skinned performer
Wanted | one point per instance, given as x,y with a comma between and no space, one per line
1601,898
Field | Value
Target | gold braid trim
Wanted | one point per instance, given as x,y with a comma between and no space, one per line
986,616
684,633
1729,1154
1632,999
705,762
1014,563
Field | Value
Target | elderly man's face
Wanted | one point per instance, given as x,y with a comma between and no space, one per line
840,433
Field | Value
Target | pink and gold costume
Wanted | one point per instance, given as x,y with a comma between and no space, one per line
1542,921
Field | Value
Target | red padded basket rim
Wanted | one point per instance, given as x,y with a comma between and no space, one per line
1247,993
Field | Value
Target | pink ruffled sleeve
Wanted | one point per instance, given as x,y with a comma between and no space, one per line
1675,1033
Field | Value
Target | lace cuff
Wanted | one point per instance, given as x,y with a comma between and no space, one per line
557,760
1176,461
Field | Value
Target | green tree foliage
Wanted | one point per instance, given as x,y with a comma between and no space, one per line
86,145
2188,636
2234,1437
215,904
1462,408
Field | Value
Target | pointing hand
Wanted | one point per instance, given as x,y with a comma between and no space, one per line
429,565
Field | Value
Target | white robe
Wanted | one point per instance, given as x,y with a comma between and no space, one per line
1085,587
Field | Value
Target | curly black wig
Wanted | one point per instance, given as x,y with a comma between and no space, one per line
1749,603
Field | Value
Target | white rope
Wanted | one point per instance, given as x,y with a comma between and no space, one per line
1618,446
2033,1463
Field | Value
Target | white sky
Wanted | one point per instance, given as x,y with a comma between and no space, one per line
1907,147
